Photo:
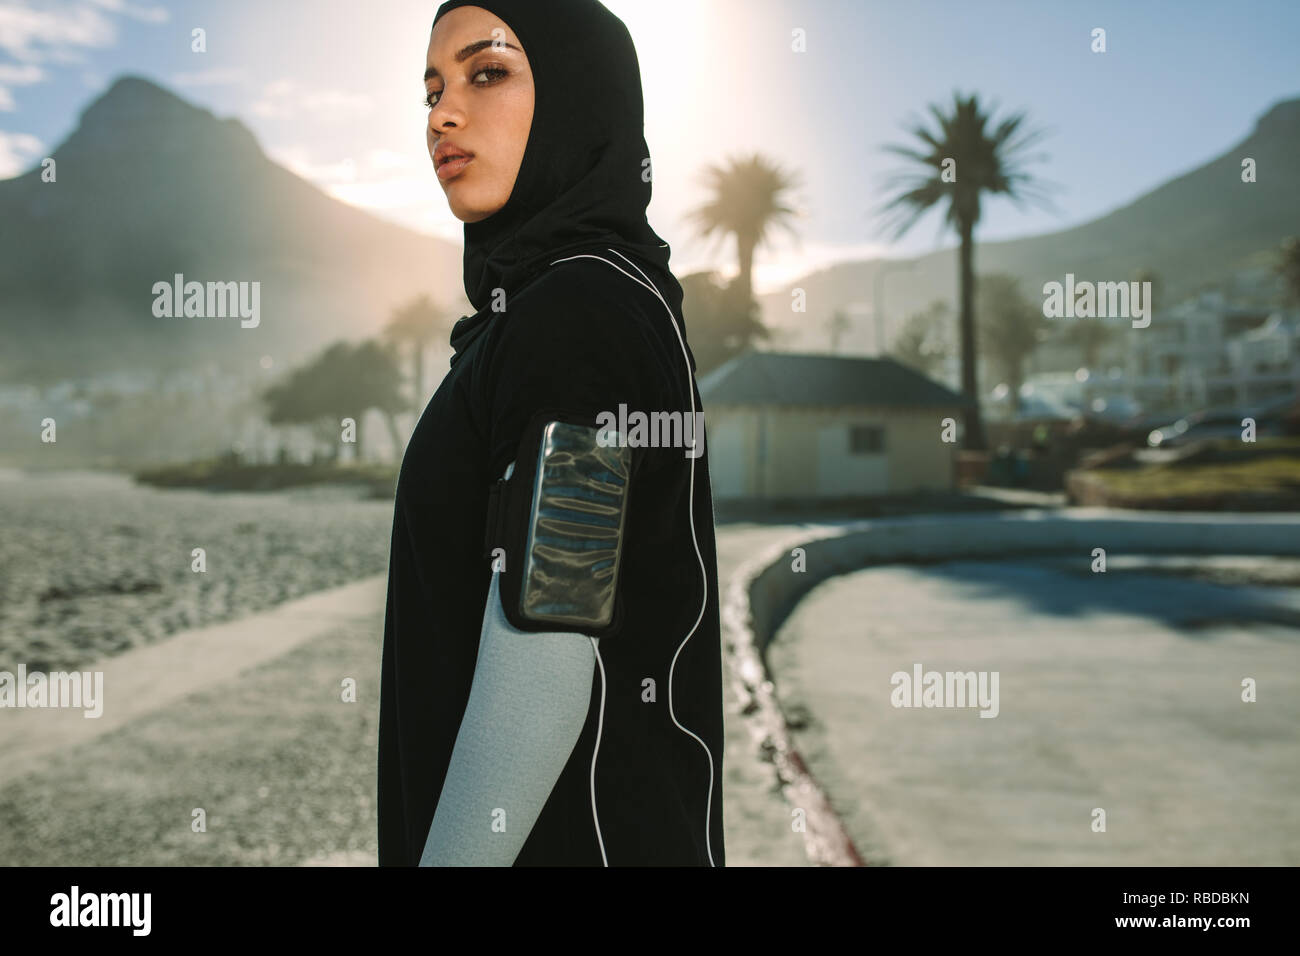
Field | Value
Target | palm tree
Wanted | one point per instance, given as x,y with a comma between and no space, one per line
747,200
965,156
724,321
416,324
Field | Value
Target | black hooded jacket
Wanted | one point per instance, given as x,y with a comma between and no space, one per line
586,334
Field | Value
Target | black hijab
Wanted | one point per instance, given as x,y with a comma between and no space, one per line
580,186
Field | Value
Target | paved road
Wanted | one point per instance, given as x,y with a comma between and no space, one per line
1119,691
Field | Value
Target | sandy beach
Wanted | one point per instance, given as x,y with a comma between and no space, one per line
92,565
259,739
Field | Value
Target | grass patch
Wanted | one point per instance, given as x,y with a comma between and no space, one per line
1222,474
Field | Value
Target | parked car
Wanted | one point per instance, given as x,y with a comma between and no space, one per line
1224,422
1117,409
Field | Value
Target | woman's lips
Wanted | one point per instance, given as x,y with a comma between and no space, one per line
453,167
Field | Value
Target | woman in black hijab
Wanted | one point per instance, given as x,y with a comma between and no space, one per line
506,737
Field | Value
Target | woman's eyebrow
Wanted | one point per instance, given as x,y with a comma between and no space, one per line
468,52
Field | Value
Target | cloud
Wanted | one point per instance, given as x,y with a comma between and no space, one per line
299,161
11,75
16,152
388,194
382,179
394,185
145,14
33,35
17,76
290,98
401,187
58,33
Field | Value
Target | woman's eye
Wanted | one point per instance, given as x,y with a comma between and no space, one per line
493,73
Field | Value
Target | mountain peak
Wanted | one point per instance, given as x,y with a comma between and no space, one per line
1282,117
133,84
136,111
133,96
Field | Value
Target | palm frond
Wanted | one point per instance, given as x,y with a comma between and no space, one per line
989,154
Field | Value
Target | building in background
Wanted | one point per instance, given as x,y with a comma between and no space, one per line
1234,346
794,428
1210,350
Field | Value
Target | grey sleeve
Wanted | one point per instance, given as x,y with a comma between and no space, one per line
527,707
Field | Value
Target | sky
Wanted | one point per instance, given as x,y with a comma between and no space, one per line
332,89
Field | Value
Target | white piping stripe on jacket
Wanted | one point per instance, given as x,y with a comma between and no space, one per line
708,812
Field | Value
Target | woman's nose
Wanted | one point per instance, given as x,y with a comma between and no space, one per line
446,113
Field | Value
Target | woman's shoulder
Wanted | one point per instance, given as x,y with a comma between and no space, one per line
583,319
589,301
594,282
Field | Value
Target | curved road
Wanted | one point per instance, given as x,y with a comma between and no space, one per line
1120,691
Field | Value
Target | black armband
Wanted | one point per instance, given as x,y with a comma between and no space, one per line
559,524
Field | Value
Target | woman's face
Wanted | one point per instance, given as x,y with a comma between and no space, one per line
480,90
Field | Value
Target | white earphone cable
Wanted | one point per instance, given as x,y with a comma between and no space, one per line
600,724
699,557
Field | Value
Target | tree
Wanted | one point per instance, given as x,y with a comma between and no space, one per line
747,201
1011,327
724,319
1090,335
1288,267
923,341
962,158
300,399
344,381
374,382
416,324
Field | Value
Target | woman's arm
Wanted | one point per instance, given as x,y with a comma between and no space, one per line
527,707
